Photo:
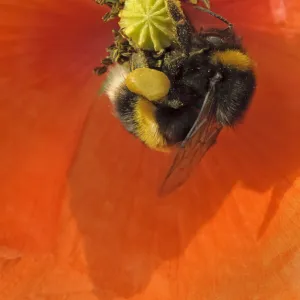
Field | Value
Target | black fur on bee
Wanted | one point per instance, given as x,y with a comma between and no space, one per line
212,82
190,65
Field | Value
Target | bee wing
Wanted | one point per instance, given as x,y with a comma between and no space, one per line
201,137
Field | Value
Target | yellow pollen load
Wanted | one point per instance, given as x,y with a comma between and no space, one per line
149,83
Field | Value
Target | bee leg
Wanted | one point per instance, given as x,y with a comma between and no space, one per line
138,60
173,62
183,27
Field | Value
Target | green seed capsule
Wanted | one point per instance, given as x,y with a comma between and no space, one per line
148,24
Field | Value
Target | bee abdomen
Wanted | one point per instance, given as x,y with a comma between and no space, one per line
175,124
158,127
147,125
137,115
124,107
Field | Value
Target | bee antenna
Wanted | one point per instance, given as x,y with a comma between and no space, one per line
215,15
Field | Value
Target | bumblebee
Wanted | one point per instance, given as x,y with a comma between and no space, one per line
185,94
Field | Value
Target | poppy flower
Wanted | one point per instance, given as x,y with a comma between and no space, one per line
80,217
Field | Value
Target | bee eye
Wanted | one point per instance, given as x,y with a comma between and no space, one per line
149,83
216,41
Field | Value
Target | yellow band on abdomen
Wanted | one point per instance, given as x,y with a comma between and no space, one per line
147,128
